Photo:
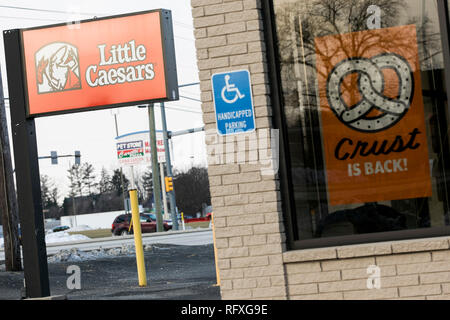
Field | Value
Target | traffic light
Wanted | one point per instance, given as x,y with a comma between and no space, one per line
169,184
54,157
77,157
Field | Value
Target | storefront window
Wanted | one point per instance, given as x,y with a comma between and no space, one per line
366,116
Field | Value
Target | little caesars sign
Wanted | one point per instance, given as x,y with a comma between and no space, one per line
100,63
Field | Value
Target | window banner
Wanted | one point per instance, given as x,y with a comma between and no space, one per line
372,116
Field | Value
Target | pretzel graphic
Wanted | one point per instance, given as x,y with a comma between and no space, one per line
371,84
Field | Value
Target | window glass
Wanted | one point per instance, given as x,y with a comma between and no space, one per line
365,107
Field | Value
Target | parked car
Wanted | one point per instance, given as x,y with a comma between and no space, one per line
60,228
121,225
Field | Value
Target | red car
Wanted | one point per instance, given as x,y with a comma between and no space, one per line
121,225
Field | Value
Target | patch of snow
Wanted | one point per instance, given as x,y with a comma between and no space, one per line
63,236
82,227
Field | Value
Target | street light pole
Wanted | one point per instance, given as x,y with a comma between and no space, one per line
172,198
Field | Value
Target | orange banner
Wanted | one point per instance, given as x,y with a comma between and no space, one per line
96,63
372,116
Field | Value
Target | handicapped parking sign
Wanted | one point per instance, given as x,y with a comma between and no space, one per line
233,102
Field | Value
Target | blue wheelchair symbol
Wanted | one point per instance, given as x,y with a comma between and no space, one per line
233,102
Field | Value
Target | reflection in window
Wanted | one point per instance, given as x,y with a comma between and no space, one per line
303,28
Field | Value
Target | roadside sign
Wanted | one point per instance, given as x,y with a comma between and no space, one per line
114,61
233,102
134,148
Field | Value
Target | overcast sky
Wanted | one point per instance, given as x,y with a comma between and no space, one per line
93,133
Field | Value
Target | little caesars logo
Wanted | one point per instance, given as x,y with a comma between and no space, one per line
57,68
120,54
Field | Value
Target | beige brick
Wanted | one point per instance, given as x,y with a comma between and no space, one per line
263,271
232,273
233,231
266,249
437,277
224,264
262,293
223,169
226,284
347,264
248,58
201,22
252,4
265,282
238,199
446,287
215,62
241,16
268,228
255,240
224,8
346,285
429,244
228,50
277,259
245,37
410,298
199,3
198,12
220,222
236,294
258,186
232,252
441,255
309,255
295,268
399,281
276,238
222,243
249,262
228,211
319,296
277,280
439,297
421,290
244,283
215,181
371,294
255,198
364,250
235,242
361,273
403,259
314,277
223,190
298,289
254,25
241,178
226,29
423,267
245,220
200,33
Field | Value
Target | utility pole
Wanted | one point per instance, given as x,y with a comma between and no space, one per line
155,168
8,200
121,171
172,199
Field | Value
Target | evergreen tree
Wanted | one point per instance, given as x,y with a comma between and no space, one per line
88,178
104,185
116,182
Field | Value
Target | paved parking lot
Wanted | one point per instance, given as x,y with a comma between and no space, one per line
173,272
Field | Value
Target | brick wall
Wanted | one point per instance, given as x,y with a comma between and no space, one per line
246,200
415,269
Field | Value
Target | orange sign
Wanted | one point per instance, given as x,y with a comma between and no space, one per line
373,126
99,63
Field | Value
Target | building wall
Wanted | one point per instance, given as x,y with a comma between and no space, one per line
251,242
245,198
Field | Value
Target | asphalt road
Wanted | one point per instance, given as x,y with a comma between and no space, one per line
190,237
173,273
179,266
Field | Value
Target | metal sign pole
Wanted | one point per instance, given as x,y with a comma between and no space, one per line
172,198
27,174
155,168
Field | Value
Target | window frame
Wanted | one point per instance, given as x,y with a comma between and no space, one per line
279,122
